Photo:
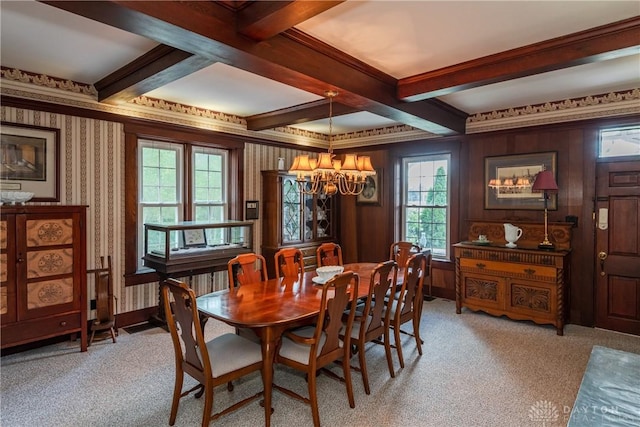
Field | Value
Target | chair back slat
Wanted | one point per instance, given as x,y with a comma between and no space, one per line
401,251
184,326
383,279
246,268
289,262
329,254
411,291
337,294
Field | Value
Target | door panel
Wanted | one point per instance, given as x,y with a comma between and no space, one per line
618,247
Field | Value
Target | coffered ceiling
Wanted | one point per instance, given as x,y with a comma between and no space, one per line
426,64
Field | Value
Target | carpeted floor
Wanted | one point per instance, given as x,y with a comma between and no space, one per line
476,370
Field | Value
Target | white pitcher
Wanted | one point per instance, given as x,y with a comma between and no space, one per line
512,234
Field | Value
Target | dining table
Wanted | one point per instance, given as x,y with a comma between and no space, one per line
270,308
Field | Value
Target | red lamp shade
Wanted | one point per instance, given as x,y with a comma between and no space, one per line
545,182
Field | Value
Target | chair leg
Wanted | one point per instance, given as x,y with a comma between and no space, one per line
387,351
313,399
347,379
177,391
416,333
113,335
93,333
398,343
363,368
208,405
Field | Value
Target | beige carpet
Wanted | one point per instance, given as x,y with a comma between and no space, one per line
476,370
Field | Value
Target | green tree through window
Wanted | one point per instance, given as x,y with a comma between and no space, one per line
426,202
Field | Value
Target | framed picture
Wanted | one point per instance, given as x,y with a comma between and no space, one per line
194,238
29,160
508,181
372,192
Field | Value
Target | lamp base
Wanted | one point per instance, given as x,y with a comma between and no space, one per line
547,246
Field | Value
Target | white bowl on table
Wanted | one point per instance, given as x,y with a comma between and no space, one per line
328,271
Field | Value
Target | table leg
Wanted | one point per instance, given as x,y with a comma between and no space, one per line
269,338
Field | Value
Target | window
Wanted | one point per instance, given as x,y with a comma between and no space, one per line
163,193
620,142
425,202
209,195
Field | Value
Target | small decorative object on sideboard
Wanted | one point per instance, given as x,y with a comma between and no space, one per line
511,235
546,183
13,197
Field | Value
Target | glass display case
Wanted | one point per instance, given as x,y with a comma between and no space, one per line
190,245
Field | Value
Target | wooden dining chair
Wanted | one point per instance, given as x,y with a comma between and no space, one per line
329,254
401,251
246,268
310,348
289,262
406,305
211,363
369,324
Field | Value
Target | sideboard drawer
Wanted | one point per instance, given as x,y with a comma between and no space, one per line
532,272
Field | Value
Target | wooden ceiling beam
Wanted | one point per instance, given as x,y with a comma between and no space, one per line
156,68
596,44
208,29
297,114
262,20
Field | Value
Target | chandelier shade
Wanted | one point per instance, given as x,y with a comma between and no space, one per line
329,175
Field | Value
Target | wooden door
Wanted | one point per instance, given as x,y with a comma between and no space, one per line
617,254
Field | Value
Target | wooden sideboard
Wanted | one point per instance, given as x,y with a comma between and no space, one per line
43,273
524,283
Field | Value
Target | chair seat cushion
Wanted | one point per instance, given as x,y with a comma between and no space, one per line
230,352
300,352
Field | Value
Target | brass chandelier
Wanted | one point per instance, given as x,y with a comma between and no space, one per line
327,175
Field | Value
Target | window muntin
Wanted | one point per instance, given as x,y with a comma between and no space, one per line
426,202
618,142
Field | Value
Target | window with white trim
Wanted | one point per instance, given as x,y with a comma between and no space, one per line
426,202
209,189
162,191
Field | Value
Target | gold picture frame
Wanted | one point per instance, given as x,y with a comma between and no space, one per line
508,181
372,192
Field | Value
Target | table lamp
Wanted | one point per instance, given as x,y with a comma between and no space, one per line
546,183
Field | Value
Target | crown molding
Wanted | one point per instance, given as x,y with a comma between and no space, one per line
38,87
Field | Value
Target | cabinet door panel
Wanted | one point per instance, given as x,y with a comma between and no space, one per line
535,299
291,211
47,232
482,291
49,263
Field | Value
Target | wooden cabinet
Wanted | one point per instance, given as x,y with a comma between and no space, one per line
292,218
524,283
43,274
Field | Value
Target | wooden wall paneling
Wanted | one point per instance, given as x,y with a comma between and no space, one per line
582,309
373,222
